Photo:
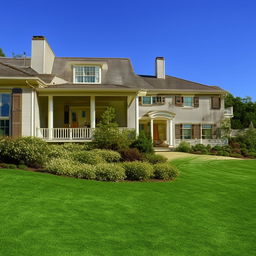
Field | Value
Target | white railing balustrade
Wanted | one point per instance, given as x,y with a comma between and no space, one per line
59,134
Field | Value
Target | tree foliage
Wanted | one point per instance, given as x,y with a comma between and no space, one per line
244,111
2,53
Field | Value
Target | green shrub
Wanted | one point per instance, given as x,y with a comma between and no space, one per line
251,154
109,156
8,166
237,155
58,151
87,157
165,171
154,158
143,143
26,150
22,166
109,172
68,167
184,146
200,149
138,170
130,155
107,135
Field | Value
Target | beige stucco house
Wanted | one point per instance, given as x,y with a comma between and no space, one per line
61,99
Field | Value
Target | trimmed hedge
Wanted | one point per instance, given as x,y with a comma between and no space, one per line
109,172
154,159
68,167
138,170
165,171
30,151
109,156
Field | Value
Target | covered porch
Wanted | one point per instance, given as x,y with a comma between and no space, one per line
74,118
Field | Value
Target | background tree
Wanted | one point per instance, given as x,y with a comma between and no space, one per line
244,111
2,53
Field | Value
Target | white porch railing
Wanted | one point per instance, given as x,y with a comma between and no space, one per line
62,134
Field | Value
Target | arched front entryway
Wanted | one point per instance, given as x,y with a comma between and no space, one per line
159,125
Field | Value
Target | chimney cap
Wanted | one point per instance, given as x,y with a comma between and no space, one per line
159,58
38,38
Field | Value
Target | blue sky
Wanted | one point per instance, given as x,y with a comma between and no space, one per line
207,41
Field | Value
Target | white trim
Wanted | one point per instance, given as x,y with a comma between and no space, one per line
152,129
74,77
50,116
92,112
137,115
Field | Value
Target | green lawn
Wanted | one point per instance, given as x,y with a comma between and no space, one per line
208,210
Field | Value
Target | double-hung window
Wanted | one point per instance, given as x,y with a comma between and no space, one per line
207,131
153,100
87,74
187,131
5,102
188,101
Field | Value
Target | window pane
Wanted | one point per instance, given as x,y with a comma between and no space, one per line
188,101
146,100
4,128
5,100
187,134
187,126
207,126
87,74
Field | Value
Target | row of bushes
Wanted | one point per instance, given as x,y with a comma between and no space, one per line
35,153
234,149
112,171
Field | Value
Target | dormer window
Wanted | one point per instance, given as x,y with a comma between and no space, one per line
87,74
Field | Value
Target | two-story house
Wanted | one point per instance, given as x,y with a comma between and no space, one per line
62,99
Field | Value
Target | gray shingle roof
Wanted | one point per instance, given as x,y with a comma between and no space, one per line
117,73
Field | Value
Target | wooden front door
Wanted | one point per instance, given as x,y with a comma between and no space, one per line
79,117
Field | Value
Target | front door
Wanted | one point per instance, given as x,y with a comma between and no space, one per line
159,133
79,117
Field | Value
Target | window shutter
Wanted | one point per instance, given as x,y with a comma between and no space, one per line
178,131
214,131
196,132
179,101
215,102
16,112
196,102
140,100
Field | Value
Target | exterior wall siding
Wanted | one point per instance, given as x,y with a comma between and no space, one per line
202,114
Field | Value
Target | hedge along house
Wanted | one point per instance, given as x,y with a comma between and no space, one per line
61,99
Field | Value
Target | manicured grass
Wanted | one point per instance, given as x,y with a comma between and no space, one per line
208,210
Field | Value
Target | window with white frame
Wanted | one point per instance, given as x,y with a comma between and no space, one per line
207,131
87,74
188,101
153,100
5,102
186,131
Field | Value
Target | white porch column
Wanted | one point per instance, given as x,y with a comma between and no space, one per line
152,129
137,115
201,133
50,116
92,111
170,126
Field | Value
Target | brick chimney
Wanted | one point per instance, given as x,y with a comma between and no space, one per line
42,55
160,67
